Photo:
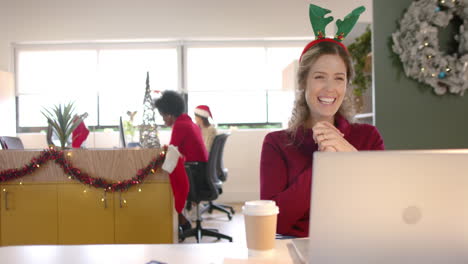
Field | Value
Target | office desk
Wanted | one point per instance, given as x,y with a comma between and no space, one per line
143,254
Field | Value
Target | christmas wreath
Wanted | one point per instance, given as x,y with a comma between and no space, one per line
417,45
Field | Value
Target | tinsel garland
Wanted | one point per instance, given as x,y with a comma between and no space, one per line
59,158
416,43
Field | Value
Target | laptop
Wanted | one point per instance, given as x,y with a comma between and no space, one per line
387,207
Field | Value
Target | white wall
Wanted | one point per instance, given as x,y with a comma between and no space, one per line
242,158
90,20
7,104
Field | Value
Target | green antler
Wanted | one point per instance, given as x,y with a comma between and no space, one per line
345,26
318,20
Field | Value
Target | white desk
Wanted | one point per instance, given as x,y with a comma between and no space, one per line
143,254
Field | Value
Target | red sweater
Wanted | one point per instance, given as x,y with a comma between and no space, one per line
286,170
187,136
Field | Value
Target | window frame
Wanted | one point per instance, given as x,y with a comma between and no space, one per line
181,47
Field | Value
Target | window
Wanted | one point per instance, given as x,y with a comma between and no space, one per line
122,77
240,81
50,77
241,84
280,101
106,83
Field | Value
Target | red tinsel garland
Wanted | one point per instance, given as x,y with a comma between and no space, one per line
59,157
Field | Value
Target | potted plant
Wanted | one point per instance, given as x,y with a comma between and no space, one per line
63,121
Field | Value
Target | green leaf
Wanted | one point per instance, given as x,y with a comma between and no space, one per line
359,50
60,117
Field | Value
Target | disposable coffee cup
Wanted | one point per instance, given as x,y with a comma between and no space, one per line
260,226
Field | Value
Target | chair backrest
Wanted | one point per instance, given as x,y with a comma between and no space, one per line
203,176
202,188
217,152
11,143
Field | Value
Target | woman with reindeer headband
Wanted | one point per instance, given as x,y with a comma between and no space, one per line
320,121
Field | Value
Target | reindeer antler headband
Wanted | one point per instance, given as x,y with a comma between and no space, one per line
319,22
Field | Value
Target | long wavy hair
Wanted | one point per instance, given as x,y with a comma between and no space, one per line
301,113
205,121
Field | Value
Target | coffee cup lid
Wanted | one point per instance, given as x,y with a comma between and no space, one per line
260,207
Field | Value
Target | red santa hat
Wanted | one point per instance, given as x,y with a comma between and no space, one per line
204,111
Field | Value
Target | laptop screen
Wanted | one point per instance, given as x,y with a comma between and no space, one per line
389,207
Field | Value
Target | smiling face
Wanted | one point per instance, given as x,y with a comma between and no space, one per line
325,88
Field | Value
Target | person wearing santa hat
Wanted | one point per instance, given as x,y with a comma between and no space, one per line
186,145
202,116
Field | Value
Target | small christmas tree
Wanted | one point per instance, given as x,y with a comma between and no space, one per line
148,129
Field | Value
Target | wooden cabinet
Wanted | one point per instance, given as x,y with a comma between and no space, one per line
72,213
85,215
47,207
29,214
141,212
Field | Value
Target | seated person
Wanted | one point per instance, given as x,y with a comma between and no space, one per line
186,135
202,115
319,122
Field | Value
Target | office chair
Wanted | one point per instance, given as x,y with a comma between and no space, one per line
11,143
202,188
220,175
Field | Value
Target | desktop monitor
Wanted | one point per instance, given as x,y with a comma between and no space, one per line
122,134
387,207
